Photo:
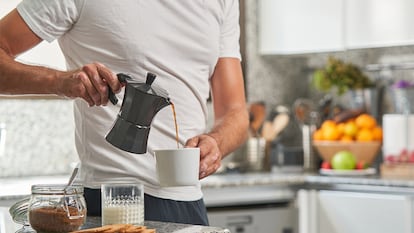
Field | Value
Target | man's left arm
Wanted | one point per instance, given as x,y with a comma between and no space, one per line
230,117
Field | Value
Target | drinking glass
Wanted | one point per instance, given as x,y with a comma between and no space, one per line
122,203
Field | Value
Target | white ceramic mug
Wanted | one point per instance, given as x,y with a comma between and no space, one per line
178,167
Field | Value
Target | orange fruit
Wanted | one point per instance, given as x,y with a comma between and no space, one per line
350,129
317,135
365,121
377,133
341,128
365,135
346,138
331,133
328,124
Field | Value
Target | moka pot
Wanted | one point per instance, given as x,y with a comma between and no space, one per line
141,103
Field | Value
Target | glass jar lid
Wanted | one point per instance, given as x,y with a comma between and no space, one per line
57,189
18,211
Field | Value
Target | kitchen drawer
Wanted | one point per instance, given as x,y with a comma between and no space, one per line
327,211
256,219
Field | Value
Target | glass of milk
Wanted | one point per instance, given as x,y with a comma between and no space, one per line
122,203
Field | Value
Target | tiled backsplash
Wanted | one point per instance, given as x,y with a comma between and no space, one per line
39,137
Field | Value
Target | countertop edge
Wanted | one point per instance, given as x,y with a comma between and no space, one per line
13,188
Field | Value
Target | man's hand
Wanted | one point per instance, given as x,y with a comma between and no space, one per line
90,83
210,155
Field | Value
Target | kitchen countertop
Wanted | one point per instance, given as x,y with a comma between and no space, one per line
252,179
271,184
374,180
299,179
18,187
8,226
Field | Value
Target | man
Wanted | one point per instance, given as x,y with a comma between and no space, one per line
192,47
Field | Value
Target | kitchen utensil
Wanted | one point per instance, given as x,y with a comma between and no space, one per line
72,178
302,109
70,183
307,118
253,151
272,129
140,104
257,113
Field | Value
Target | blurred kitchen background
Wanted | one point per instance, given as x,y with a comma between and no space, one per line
283,42
279,58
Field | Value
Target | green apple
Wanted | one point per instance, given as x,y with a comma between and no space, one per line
343,160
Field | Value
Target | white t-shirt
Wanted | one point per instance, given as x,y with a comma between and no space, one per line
180,41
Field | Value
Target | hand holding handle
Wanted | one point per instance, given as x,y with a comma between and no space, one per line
111,95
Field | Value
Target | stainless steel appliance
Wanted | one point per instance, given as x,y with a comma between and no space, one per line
252,209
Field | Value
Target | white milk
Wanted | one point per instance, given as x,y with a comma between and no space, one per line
126,213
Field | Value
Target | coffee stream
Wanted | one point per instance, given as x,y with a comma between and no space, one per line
175,124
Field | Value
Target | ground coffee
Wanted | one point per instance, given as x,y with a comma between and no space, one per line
55,219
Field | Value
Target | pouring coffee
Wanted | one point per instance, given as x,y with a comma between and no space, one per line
141,103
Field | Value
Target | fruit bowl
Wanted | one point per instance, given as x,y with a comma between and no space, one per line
363,151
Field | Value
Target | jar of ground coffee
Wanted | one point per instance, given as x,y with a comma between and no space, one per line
56,208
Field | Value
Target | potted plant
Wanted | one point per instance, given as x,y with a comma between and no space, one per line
353,88
341,76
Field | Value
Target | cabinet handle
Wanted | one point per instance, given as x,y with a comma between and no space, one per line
239,220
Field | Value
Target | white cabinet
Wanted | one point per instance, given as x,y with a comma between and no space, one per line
303,26
357,212
297,26
257,220
378,23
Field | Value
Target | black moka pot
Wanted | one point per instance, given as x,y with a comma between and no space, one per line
140,104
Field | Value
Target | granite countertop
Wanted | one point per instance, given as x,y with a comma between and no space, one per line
19,187
372,180
162,227
252,179
222,182
309,179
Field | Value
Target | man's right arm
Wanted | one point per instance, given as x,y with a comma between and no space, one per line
89,82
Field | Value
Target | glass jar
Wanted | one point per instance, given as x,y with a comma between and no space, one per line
56,208
18,212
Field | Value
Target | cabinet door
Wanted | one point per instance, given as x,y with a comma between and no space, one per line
378,23
344,212
257,220
300,26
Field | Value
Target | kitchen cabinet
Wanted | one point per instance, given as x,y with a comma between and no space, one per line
306,26
253,208
300,26
258,219
323,211
378,23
